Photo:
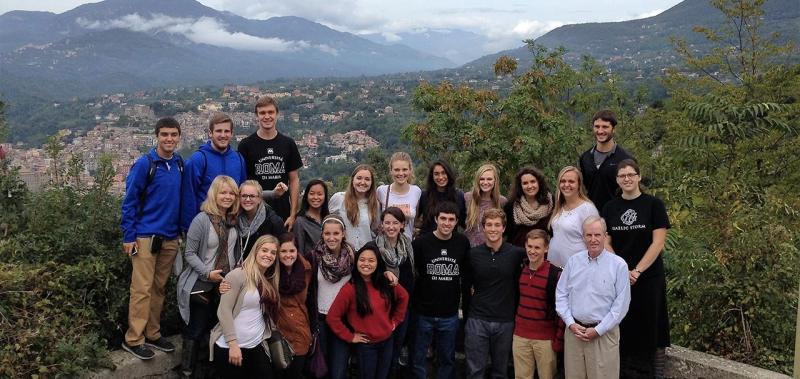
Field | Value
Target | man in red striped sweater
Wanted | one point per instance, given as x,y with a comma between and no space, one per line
538,331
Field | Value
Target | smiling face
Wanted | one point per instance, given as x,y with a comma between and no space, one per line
530,186
628,180
367,263
486,181
362,182
568,184
445,223
603,131
316,196
493,230
220,135
225,198
391,226
265,255
250,198
536,248
594,237
333,235
288,254
440,177
168,139
400,171
267,116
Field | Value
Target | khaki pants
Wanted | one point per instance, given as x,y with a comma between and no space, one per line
150,275
596,359
532,355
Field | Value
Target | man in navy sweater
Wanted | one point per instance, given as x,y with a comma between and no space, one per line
150,226
493,273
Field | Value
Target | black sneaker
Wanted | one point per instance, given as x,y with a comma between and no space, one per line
161,344
139,351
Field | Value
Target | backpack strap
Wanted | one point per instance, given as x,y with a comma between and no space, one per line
550,288
151,174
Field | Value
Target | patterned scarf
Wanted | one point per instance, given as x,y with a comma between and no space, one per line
527,214
334,267
394,257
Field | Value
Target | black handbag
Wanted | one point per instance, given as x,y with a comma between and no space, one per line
280,350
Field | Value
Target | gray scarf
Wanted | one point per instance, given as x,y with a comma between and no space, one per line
247,228
395,257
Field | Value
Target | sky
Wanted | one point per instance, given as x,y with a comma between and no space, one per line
504,22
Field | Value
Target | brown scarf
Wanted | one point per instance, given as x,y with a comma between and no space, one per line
529,214
222,227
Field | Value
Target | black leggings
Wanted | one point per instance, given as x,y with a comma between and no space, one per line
255,364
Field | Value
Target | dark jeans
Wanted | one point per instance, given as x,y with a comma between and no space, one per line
295,370
484,339
399,336
255,364
444,329
202,317
337,352
374,359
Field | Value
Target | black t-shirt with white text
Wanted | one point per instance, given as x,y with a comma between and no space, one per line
440,268
269,162
631,224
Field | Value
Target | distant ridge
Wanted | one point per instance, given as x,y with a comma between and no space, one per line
644,44
122,45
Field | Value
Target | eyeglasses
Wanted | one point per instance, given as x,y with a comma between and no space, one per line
627,176
249,197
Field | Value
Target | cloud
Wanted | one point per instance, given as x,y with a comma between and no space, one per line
204,30
391,37
647,14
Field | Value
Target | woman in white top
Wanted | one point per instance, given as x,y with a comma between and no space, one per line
246,313
571,209
401,193
358,206
333,265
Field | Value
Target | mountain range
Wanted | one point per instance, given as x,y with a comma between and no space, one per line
123,45
644,45
117,45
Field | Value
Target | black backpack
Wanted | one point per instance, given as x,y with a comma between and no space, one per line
550,288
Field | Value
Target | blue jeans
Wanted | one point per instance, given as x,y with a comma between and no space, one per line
337,351
399,337
445,329
487,338
374,359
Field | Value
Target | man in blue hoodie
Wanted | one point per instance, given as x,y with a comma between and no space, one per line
151,226
214,158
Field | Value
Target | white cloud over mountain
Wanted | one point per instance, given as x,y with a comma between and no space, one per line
203,30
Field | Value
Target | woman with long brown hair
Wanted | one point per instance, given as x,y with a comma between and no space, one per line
358,206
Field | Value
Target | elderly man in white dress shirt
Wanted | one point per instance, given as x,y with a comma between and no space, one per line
592,297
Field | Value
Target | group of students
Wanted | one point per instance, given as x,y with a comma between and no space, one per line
377,269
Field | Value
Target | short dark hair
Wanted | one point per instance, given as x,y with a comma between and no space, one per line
448,207
168,122
605,115
264,101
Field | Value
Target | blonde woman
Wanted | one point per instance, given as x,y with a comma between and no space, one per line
401,193
358,206
247,313
485,194
212,250
571,209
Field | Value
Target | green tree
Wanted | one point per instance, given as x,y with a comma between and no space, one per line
535,124
722,155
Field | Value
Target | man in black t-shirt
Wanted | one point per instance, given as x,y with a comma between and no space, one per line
599,164
272,158
439,257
